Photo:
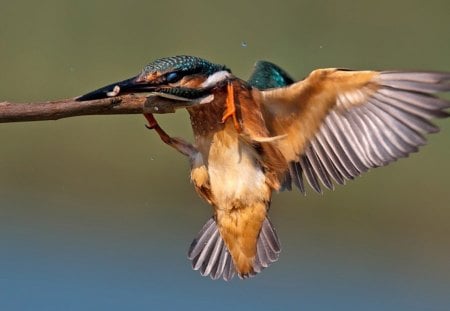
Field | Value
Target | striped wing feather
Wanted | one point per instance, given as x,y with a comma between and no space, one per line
341,123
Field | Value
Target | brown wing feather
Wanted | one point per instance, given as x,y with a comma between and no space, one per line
340,123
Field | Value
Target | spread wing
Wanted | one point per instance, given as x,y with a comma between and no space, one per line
340,123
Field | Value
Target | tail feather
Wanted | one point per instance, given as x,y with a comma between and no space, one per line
205,255
229,270
219,266
210,255
202,238
268,247
213,257
270,237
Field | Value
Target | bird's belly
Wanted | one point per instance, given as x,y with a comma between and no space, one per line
236,177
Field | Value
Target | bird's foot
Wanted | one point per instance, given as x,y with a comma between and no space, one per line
177,143
152,123
231,107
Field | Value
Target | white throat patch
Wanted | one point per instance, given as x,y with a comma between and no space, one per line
216,77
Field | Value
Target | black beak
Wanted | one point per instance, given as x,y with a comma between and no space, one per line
132,85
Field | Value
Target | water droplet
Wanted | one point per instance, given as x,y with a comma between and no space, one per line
320,46
244,44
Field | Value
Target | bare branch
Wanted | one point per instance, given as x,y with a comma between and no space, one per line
54,110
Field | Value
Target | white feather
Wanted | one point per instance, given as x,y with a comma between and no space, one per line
234,173
216,77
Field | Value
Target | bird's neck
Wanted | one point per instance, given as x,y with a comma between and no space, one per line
207,119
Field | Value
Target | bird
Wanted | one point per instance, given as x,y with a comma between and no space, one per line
270,133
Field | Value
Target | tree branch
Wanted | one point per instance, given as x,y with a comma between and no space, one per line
54,110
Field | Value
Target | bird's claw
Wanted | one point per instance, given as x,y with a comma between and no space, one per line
152,123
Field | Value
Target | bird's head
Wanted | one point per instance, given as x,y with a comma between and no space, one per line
182,76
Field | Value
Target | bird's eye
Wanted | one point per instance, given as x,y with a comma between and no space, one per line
173,77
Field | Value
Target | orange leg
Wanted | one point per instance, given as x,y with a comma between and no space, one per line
231,107
179,144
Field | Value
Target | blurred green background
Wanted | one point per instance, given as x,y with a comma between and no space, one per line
97,214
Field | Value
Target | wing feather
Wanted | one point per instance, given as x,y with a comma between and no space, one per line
326,162
339,123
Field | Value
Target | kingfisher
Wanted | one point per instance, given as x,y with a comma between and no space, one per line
270,133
